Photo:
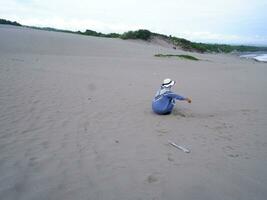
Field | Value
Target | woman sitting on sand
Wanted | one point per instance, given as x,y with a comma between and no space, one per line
164,99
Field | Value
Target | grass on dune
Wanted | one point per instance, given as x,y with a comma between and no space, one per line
184,56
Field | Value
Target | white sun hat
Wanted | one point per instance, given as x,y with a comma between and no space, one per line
167,82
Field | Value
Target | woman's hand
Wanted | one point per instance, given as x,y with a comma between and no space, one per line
188,100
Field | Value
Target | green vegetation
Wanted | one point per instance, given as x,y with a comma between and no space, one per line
146,35
3,21
139,34
217,48
188,57
93,33
226,48
99,34
113,35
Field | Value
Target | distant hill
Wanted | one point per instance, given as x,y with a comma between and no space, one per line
188,45
147,35
3,21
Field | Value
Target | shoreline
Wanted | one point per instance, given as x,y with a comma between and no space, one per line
257,56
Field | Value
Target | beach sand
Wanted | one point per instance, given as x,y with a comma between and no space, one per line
76,121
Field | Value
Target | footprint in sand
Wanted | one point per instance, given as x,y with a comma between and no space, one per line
170,157
178,113
184,113
32,162
233,155
152,179
162,132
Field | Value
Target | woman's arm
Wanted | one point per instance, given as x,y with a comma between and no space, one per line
177,97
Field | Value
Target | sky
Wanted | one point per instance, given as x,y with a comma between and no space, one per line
212,21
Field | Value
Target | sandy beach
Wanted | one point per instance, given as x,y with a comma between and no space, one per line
76,121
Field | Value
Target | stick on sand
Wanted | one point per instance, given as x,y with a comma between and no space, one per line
179,147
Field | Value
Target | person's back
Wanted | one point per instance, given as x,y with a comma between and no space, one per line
164,99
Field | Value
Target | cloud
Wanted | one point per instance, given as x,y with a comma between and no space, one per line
204,20
82,25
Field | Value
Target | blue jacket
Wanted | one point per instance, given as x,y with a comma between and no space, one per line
164,101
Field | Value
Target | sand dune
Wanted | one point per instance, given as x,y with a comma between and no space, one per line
76,121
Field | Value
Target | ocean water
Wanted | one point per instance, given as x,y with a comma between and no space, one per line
260,56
